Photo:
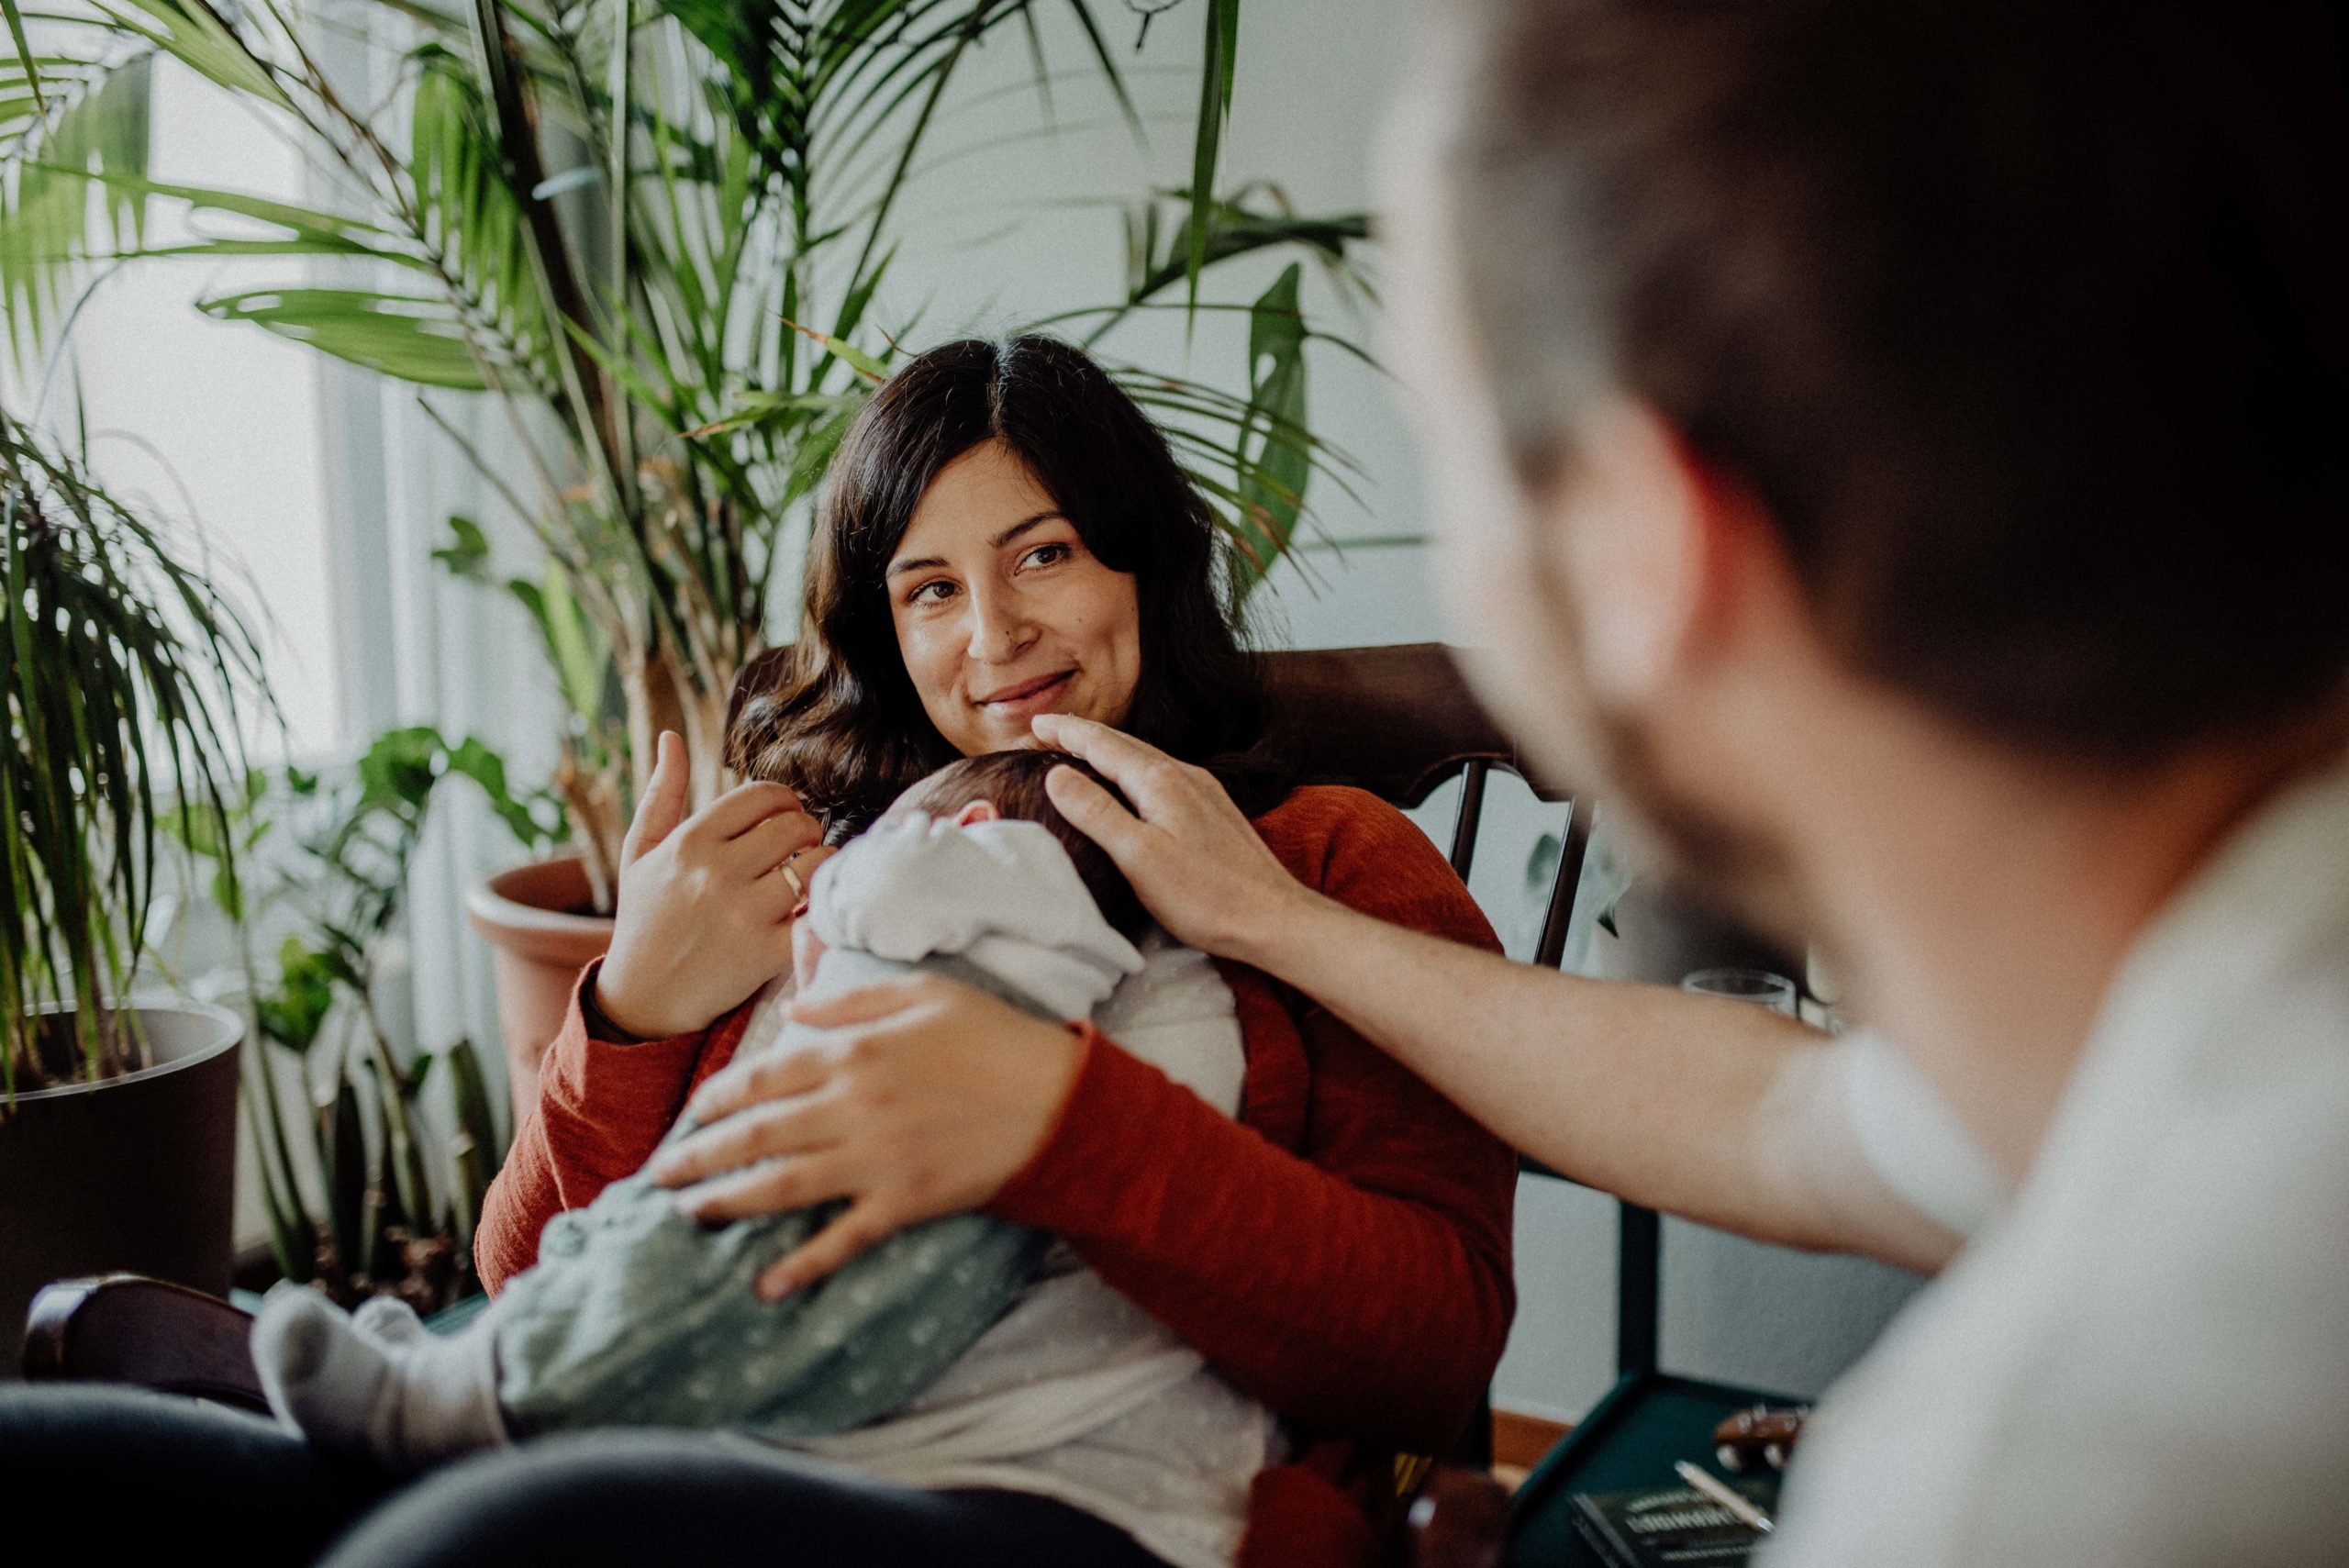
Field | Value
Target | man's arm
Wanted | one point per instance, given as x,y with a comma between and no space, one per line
1720,1111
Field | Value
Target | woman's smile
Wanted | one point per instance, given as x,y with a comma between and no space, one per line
1023,700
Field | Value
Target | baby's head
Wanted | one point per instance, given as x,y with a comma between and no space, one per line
1012,784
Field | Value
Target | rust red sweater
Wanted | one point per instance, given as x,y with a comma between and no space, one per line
1340,1252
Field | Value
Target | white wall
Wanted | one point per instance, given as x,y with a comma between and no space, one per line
1011,232
217,419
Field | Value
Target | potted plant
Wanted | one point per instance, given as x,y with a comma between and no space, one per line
652,231
120,668
371,1161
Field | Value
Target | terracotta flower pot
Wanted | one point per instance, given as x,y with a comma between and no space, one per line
535,918
136,1172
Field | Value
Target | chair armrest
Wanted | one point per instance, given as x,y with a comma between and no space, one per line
145,1332
1460,1520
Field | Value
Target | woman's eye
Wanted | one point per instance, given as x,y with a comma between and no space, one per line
1047,555
933,593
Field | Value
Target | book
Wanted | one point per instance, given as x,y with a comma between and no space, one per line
1668,1527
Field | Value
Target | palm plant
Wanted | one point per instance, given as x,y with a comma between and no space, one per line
651,232
119,669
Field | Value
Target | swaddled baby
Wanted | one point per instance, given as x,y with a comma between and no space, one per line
967,1350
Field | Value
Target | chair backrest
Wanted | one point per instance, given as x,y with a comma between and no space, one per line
1399,721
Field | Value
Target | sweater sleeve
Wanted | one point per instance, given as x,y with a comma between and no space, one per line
602,1109
1358,1285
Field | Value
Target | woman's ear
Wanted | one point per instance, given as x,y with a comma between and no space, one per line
976,811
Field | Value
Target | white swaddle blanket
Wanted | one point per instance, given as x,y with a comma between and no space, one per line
1076,1392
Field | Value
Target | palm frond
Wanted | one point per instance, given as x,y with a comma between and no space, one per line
31,69
1218,65
122,670
90,117
201,38
414,338
469,219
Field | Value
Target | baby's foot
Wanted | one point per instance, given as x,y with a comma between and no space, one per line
379,1387
323,1378
390,1322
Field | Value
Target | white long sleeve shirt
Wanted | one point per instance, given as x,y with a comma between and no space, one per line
2142,1359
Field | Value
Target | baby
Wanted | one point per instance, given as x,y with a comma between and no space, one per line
967,1350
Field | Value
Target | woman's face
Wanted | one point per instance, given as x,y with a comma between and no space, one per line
1003,614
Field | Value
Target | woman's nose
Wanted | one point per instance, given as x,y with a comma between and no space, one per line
999,631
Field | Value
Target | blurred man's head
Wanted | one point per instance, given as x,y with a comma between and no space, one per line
1981,368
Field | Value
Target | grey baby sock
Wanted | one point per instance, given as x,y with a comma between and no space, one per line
379,1385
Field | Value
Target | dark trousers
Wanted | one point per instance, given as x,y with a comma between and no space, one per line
119,1472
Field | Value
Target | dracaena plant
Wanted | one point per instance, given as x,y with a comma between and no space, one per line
120,664
652,231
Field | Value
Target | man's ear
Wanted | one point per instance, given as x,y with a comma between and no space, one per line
976,811
1634,525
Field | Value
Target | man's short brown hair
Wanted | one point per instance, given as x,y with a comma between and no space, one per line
2026,320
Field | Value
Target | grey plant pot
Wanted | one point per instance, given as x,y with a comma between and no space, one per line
135,1173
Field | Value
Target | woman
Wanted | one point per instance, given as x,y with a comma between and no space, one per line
1003,534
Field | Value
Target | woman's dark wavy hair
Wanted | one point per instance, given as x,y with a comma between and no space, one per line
838,720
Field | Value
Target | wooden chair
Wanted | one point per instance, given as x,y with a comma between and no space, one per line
1400,722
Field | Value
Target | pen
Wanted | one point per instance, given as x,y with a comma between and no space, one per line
1745,1512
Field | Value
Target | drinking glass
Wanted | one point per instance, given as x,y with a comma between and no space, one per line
1775,991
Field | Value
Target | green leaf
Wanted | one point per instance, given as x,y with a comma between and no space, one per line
579,653
1218,63
120,666
295,1009
399,768
24,52
771,409
1110,71
1253,219
856,358
349,1216
290,1240
196,36
467,554
307,232
96,119
402,336
470,1093
1271,466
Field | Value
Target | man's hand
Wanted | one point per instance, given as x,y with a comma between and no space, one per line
704,918
1195,861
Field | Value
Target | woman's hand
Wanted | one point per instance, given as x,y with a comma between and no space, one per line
1195,861
704,916
925,1099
